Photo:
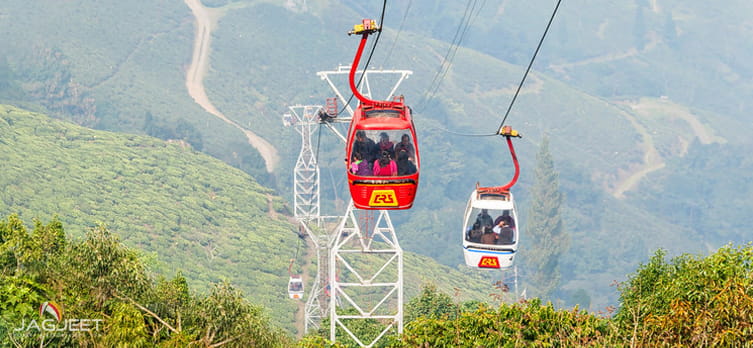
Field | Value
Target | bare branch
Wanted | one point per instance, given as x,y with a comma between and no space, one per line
221,343
155,316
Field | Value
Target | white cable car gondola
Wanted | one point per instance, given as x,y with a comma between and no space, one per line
490,224
295,287
490,237
295,284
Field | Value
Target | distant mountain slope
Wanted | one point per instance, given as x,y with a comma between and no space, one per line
187,211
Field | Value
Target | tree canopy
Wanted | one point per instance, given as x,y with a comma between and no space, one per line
105,295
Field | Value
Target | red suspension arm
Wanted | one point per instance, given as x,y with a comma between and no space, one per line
515,162
367,27
508,133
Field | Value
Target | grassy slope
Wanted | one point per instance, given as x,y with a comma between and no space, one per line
185,210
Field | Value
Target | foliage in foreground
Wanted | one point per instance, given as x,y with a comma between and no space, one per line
689,301
106,297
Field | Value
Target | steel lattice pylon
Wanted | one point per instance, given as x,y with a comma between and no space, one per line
367,295
306,202
306,172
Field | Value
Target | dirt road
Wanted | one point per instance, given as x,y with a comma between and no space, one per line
206,22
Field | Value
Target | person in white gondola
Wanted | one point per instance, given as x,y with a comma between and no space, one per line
504,232
475,232
484,219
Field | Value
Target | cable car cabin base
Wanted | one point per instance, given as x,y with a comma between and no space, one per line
393,194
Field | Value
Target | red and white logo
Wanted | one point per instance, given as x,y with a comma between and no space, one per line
51,308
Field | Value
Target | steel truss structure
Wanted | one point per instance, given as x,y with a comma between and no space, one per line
366,297
306,172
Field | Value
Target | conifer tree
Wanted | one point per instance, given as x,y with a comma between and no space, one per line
545,239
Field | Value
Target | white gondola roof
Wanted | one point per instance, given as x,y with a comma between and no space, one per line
492,203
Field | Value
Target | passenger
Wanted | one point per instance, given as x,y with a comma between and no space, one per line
505,233
386,145
404,165
474,233
506,217
484,219
385,166
506,236
489,237
367,147
360,167
405,145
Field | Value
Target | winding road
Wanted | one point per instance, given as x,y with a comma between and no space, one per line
206,22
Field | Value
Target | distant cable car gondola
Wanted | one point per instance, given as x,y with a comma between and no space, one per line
295,283
382,174
490,225
295,287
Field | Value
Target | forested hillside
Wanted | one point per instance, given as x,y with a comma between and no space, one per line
644,102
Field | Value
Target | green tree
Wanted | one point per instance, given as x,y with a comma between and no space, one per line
690,300
528,324
101,268
545,240
225,318
100,278
431,303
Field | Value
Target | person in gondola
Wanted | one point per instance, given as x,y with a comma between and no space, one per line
489,237
507,218
386,145
367,147
404,165
385,166
504,232
474,233
485,219
358,166
405,145
506,236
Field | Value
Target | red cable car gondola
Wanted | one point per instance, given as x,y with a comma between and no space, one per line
381,175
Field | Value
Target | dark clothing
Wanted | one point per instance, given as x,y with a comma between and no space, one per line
367,148
387,146
474,235
485,220
506,236
489,238
405,147
507,218
404,165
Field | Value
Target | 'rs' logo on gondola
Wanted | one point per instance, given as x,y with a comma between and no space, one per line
488,262
383,198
